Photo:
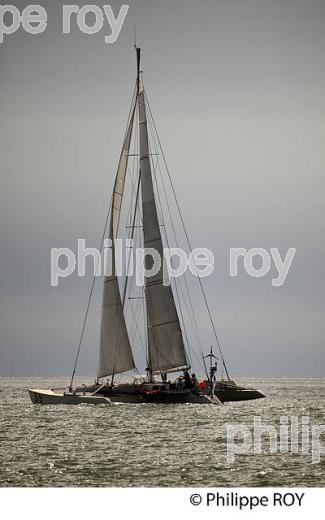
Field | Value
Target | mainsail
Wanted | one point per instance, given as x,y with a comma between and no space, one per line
115,354
165,342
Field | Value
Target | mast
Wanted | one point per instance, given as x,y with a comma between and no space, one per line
166,349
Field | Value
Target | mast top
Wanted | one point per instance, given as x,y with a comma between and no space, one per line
138,53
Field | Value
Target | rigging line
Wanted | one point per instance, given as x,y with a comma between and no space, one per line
154,167
139,308
188,240
153,344
135,162
90,296
166,236
133,106
143,290
189,310
145,325
136,319
134,189
97,263
132,216
132,176
137,214
135,314
177,245
199,360
126,277
191,314
131,238
124,307
130,111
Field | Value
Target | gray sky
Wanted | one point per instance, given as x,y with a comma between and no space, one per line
237,89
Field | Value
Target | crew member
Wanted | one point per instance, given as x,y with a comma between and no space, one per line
187,380
194,381
180,384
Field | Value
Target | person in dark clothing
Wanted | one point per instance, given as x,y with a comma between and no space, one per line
194,381
188,380
181,384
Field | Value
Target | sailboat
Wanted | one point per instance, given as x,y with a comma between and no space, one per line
166,339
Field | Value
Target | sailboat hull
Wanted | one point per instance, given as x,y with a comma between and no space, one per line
49,397
128,393
176,398
132,394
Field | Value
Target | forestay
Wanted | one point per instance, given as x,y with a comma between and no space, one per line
115,354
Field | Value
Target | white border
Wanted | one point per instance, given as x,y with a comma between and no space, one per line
140,503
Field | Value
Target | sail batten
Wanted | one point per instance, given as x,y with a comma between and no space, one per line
166,350
115,353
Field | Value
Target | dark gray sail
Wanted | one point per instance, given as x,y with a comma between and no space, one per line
166,350
115,354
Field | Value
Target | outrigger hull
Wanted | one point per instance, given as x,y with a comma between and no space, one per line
238,394
50,397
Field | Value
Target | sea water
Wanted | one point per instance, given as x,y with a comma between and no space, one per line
125,445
